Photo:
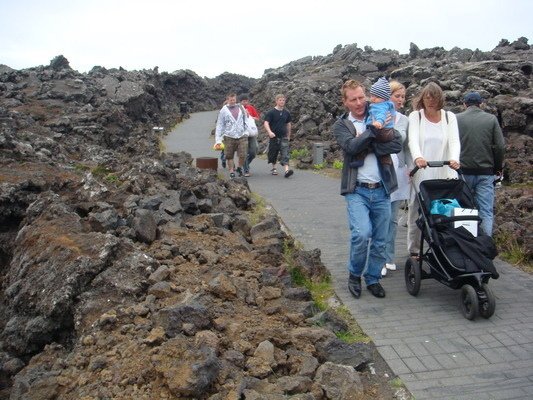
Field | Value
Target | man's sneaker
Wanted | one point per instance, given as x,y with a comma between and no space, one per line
239,171
354,286
376,289
232,175
288,173
390,267
383,271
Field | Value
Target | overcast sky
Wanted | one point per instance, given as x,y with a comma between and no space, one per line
245,37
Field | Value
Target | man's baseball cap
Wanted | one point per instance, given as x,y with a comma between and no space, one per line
473,98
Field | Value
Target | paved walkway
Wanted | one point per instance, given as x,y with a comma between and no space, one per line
436,352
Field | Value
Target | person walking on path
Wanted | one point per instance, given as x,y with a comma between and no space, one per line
366,189
278,127
230,129
400,167
482,152
252,140
434,136
380,109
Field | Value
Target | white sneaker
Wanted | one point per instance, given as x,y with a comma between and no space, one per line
391,267
383,271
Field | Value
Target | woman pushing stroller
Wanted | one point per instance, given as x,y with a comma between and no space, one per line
433,135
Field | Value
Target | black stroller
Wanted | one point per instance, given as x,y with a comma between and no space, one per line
454,256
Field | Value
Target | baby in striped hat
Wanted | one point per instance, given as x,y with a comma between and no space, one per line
380,107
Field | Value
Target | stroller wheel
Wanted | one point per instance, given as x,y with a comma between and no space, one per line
469,302
413,276
487,301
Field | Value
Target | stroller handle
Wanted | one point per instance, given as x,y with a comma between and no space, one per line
431,164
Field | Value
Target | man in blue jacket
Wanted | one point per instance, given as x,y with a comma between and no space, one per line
366,188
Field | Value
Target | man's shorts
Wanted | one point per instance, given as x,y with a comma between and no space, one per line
232,145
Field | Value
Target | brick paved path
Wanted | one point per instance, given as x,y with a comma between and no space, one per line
426,341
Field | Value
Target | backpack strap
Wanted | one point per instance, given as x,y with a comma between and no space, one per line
243,115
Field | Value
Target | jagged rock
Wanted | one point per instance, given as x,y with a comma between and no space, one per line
172,318
312,266
302,363
263,361
59,63
115,258
331,320
145,226
356,355
223,287
297,293
161,274
339,381
192,374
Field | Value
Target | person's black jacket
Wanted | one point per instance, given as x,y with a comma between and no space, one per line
345,133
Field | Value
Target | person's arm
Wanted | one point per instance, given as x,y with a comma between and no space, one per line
266,124
380,114
498,147
219,127
454,142
391,147
289,127
347,139
414,139
253,112
401,126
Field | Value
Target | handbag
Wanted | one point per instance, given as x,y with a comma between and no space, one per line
250,127
443,206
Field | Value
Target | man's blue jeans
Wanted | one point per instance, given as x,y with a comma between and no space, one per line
368,219
252,152
483,188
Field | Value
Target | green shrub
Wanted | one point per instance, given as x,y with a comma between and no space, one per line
338,164
299,153
512,251
322,292
100,171
258,212
112,178
81,168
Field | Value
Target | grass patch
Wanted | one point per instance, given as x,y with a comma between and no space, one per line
338,164
320,166
352,337
104,173
329,172
259,211
355,334
513,252
100,171
397,383
81,168
297,277
524,185
299,153
112,178
321,293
